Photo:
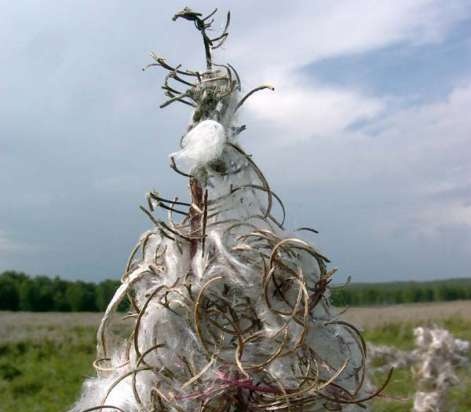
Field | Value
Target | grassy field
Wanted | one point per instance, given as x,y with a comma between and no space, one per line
45,357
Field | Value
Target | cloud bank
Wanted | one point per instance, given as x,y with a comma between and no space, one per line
382,171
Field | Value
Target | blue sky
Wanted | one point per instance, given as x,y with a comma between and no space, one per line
367,137
424,72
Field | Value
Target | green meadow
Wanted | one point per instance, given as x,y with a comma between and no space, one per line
44,358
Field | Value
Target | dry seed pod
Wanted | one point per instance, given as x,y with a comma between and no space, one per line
434,361
230,311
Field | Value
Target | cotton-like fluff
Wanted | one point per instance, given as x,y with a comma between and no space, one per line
229,310
240,318
203,144
434,362
437,356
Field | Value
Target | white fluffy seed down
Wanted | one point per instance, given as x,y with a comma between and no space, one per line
172,361
434,362
229,310
201,145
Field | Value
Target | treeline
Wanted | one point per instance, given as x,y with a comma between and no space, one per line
364,294
20,292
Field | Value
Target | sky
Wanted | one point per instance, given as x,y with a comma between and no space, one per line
367,136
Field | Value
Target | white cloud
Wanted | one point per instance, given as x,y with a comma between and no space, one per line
300,110
411,169
302,32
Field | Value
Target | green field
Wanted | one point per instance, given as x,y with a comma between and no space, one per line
45,357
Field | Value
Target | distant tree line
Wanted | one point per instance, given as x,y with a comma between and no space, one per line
21,292
365,294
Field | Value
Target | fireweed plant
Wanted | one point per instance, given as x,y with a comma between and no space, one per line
230,311
435,361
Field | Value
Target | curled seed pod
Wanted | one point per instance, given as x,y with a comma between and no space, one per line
230,311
